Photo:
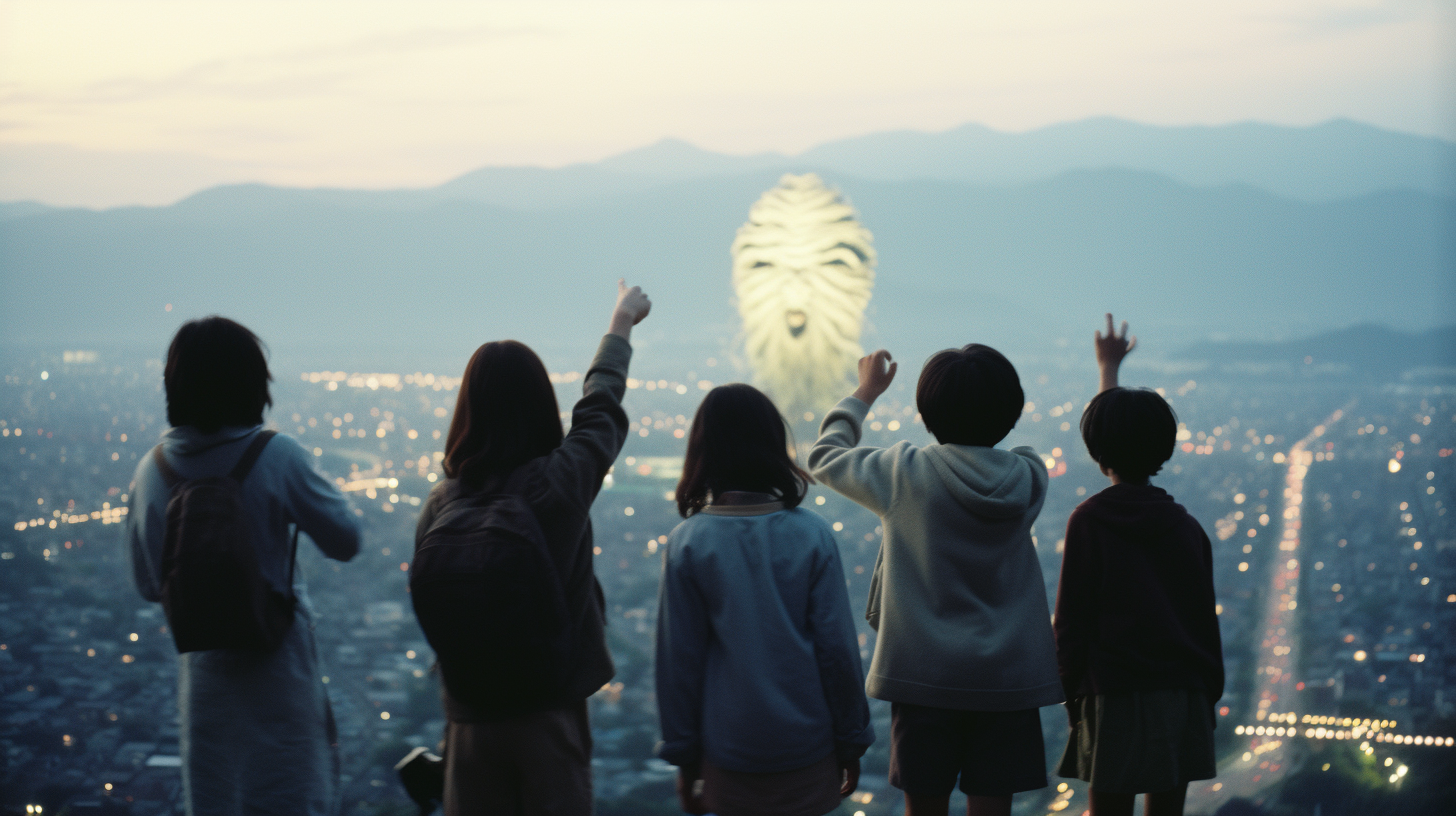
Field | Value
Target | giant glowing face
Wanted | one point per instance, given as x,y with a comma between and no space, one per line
803,268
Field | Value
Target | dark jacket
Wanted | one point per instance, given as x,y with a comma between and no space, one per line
1135,606
560,487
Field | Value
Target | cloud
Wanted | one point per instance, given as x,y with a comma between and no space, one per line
1327,19
315,71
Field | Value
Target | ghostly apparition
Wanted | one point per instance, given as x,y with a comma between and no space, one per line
803,268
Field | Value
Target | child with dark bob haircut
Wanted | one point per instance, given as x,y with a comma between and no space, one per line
255,728
759,682
1138,644
964,650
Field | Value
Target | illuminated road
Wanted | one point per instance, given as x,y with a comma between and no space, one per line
1267,756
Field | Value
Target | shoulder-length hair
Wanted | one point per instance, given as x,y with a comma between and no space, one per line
216,375
738,441
505,416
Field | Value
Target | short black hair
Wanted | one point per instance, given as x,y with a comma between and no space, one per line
1130,431
969,396
739,441
216,376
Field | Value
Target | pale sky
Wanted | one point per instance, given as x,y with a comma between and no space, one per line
377,94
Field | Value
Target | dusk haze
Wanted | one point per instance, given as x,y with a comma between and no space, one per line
270,239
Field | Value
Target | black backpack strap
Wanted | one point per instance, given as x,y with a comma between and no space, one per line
169,476
255,449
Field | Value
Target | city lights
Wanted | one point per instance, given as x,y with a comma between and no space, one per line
1313,551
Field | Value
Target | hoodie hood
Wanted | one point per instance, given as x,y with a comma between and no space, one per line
990,482
1137,511
186,440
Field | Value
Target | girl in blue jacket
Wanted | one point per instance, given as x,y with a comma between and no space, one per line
759,682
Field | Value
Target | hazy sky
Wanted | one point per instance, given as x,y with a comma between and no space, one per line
410,94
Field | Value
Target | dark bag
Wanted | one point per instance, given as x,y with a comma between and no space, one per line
213,589
423,776
492,605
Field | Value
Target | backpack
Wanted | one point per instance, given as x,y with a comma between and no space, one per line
492,605
213,588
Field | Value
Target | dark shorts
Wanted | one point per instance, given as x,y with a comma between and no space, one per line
994,753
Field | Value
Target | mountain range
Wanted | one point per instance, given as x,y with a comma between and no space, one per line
1244,231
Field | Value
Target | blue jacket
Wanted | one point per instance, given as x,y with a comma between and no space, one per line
758,666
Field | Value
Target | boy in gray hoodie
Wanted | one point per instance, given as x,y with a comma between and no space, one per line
964,652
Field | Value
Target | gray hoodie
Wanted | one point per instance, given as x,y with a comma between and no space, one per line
254,727
957,596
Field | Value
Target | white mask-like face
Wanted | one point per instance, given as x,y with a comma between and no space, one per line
803,270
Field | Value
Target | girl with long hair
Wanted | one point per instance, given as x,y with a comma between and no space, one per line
506,436
759,682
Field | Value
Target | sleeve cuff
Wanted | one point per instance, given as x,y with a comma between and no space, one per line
849,751
683,756
850,409
613,352
612,358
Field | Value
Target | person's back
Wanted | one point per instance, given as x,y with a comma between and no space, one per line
758,676
255,727
964,647
1138,645
1148,562
506,435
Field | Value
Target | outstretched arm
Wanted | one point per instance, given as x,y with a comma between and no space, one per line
862,474
598,423
1110,351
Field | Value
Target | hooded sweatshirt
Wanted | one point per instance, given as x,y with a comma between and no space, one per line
254,727
1135,606
957,596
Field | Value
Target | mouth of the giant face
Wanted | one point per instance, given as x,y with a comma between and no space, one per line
796,320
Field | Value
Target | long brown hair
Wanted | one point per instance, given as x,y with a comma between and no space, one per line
738,441
506,414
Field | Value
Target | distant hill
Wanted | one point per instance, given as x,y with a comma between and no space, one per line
1335,160
1024,264
1362,349
1338,159
16,209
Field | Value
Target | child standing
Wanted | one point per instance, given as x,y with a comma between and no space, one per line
964,651
1137,635
758,670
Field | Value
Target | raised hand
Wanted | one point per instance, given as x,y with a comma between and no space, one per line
632,306
876,372
1110,351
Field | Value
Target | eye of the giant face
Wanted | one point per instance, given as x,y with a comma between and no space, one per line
760,264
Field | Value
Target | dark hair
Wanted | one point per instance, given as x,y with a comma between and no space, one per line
739,441
216,375
1130,431
969,396
506,414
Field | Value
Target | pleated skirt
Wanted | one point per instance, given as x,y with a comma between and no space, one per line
1140,741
